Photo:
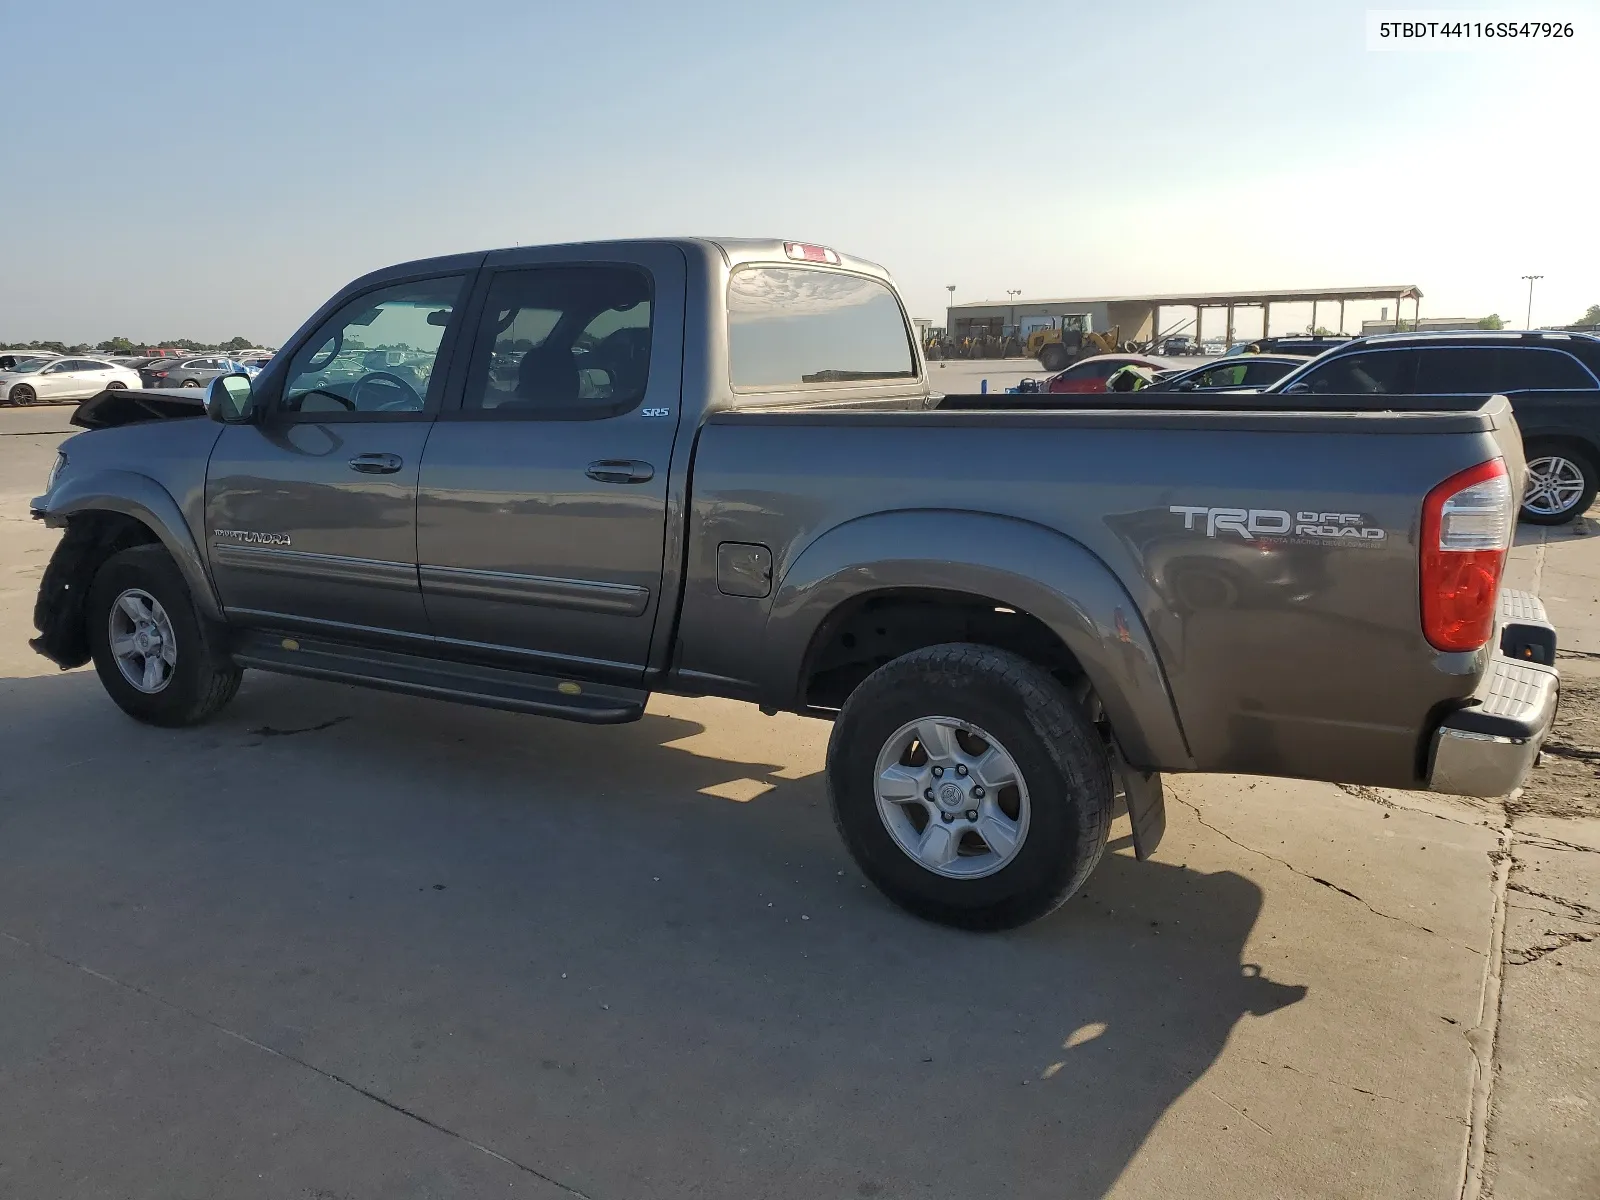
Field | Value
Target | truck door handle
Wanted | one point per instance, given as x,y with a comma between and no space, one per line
621,470
376,464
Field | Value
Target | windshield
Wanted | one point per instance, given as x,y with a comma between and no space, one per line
25,365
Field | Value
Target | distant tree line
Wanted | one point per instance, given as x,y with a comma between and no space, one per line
122,345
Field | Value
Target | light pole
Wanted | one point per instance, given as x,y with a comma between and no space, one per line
1013,293
1530,279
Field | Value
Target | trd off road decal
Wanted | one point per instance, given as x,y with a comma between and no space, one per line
1303,527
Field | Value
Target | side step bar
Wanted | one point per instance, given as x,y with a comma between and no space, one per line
464,683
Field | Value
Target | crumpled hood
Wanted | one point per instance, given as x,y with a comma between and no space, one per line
129,406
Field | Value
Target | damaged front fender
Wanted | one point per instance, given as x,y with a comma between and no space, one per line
103,513
58,613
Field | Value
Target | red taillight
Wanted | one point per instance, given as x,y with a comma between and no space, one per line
1467,523
161,374
806,252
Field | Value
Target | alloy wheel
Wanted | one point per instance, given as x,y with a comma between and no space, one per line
1554,485
142,642
952,798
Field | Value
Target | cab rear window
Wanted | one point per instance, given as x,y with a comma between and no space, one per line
792,326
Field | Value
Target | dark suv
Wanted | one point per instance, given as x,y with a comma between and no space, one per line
1552,380
1304,343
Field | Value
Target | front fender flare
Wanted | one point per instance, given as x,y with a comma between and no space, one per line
1015,563
146,501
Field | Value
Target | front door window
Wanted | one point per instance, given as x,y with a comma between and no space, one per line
376,355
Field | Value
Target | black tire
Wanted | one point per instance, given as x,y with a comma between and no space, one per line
194,383
1060,755
203,678
22,395
1579,458
116,385
1053,357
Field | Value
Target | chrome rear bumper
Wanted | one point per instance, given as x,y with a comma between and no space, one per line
1488,748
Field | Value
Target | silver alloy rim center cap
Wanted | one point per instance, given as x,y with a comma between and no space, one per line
952,796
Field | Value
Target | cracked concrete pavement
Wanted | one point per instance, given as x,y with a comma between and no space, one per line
338,943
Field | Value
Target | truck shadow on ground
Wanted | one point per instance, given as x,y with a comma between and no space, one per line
559,942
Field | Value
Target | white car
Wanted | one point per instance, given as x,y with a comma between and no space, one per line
51,381
11,358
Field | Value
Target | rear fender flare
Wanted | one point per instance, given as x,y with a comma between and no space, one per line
1012,562
146,501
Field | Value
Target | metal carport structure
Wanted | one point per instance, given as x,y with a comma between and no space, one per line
1142,314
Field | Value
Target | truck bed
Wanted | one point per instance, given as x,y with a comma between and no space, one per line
1269,645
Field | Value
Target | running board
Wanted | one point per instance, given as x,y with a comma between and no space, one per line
465,683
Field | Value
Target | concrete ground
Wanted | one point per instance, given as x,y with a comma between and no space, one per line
344,944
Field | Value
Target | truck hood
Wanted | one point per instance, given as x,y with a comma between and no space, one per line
130,406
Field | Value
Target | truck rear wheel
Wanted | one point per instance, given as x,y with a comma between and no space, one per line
969,786
154,653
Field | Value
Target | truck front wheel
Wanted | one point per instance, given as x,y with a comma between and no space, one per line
153,652
969,786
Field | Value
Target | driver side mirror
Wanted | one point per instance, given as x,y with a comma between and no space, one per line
229,400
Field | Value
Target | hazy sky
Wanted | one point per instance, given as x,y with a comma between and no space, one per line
205,170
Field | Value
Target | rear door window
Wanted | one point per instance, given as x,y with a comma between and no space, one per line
562,343
1254,374
1232,375
1459,370
1376,373
792,326
1533,369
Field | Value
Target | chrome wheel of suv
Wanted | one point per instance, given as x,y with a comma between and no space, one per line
1555,485
142,642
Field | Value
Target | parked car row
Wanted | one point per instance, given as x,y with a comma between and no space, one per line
1552,380
191,372
41,377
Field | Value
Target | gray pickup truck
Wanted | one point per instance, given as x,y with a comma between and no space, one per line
556,479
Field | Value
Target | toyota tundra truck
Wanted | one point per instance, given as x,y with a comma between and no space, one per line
557,479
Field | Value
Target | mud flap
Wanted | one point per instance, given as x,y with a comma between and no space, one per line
1147,805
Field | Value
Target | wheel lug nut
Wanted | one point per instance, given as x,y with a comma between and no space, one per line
938,772
972,814
947,817
927,793
961,769
977,793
